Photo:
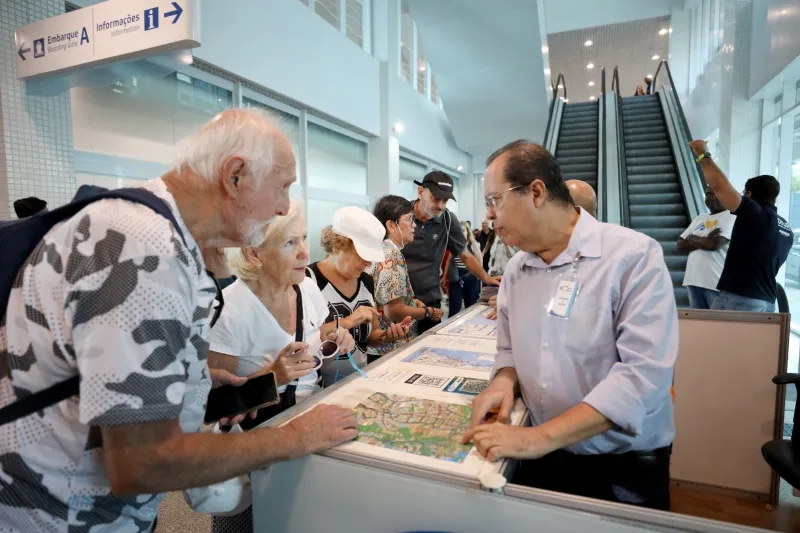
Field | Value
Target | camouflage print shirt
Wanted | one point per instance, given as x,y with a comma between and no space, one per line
114,295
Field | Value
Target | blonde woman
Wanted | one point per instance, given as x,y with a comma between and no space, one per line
465,288
352,243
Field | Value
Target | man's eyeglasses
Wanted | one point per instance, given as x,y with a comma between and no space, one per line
491,200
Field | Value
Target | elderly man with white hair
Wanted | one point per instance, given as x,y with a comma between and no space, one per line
120,297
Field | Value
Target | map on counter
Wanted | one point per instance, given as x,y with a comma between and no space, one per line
414,425
477,326
448,358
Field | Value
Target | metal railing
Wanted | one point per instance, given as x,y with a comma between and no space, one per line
554,89
601,150
623,165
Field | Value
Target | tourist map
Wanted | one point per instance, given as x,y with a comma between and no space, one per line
448,358
415,425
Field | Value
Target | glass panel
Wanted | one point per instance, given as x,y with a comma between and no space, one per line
411,170
422,69
792,282
408,189
336,161
406,36
144,118
328,10
434,91
453,206
290,124
355,22
775,160
319,215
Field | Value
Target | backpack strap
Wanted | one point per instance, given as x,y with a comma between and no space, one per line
19,238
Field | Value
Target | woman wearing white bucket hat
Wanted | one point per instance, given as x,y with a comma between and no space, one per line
352,243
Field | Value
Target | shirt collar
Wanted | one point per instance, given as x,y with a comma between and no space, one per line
584,241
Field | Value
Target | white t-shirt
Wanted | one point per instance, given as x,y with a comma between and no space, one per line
246,329
704,267
112,294
340,306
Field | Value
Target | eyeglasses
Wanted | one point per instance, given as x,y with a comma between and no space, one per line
491,200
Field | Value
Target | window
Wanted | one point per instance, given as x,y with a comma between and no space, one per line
319,216
411,170
336,161
328,10
406,45
355,22
422,70
290,124
434,91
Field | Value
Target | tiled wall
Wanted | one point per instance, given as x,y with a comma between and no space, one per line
36,152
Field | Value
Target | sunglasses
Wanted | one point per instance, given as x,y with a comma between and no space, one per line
219,301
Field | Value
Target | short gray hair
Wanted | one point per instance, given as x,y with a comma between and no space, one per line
247,133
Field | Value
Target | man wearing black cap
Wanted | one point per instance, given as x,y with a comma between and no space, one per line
437,230
27,207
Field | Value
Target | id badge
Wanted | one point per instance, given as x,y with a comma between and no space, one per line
564,295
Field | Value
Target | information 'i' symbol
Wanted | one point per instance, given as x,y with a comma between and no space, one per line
150,18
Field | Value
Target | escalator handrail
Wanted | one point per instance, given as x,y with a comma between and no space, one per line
684,124
623,166
554,90
601,149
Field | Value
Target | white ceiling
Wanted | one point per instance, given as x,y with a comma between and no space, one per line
489,68
569,15
628,45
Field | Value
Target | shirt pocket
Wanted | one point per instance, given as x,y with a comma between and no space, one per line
589,329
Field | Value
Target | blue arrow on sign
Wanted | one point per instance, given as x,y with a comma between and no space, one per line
176,13
22,51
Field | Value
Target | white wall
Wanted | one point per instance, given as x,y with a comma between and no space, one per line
568,15
427,131
776,39
284,46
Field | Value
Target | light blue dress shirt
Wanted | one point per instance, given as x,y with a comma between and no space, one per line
617,349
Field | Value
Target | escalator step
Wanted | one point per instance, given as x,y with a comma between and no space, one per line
643,117
582,152
648,152
670,235
670,248
650,160
677,277
676,221
584,118
641,179
657,210
682,297
650,169
570,144
579,168
646,145
638,130
577,160
676,262
651,136
570,131
654,199
582,138
653,188
583,176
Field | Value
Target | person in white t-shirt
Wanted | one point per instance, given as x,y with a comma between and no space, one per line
353,242
706,241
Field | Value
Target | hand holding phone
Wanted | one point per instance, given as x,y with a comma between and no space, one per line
229,401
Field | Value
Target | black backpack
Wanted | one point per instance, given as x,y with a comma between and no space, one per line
18,239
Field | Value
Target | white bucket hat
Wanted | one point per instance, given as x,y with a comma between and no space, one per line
363,229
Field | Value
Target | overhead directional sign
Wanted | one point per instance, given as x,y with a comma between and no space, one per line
115,30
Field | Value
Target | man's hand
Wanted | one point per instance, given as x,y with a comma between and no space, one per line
714,234
493,280
699,147
496,441
419,303
221,377
323,427
362,315
497,399
492,301
215,261
293,362
436,314
343,340
395,332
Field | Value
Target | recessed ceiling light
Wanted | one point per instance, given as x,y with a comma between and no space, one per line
545,49
588,43
560,85
655,57
422,68
591,84
670,30
663,31
592,98
219,99
590,66
547,72
566,100
399,127
649,76
460,168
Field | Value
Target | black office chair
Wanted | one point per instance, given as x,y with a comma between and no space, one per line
783,456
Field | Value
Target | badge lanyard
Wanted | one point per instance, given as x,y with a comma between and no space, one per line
565,291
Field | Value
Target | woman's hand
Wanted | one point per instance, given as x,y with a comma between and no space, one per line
395,332
419,303
362,315
343,340
436,314
293,362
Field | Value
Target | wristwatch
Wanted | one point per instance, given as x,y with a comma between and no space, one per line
427,312
706,155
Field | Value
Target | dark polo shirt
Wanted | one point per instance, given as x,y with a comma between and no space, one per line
424,255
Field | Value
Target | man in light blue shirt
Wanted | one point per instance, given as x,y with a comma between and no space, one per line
587,332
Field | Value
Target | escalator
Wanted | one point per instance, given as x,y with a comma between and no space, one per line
576,150
655,200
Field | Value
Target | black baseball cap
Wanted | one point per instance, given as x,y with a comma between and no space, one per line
27,207
439,183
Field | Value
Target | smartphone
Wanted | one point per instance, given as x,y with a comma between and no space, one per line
228,401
